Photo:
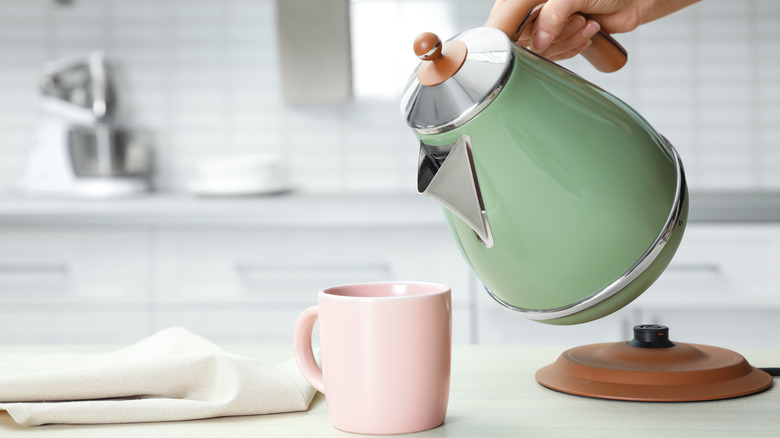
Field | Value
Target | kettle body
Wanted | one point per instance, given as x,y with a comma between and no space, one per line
564,201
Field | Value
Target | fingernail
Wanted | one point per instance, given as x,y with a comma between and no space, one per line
591,29
542,41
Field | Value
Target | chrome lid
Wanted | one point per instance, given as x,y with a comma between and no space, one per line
452,103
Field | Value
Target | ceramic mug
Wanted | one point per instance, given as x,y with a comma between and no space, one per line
385,350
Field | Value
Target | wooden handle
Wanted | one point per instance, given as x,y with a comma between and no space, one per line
606,54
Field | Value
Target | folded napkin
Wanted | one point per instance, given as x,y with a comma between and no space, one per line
172,375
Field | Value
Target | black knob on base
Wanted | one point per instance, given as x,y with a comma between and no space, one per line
651,336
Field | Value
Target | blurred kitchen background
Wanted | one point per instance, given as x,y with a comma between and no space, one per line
308,91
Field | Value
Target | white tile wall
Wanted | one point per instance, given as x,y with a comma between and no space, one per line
202,75
708,78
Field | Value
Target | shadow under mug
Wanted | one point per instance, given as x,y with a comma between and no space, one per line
385,351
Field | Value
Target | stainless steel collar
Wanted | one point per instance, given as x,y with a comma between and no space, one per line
440,108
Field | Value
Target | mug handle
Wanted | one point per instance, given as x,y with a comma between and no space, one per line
304,356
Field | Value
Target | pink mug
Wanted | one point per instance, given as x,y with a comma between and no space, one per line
385,352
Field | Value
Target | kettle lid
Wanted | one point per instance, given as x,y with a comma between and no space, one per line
463,87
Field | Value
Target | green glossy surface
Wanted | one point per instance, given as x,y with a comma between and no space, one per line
576,186
639,285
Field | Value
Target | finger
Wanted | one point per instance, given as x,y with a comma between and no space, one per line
570,53
578,39
576,22
619,22
552,20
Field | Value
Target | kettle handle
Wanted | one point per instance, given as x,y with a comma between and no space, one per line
604,53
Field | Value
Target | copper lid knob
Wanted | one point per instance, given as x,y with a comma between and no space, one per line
440,61
427,46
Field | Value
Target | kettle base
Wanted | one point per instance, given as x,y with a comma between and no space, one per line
641,371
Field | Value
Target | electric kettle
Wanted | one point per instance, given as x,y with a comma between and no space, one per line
564,201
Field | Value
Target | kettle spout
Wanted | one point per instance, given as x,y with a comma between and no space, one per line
446,173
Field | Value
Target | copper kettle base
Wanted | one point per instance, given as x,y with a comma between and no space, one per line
652,368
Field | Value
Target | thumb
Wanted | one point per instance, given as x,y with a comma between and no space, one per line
552,19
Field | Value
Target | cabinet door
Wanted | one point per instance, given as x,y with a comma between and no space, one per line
73,285
722,288
497,325
262,279
90,324
59,266
719,270
721,266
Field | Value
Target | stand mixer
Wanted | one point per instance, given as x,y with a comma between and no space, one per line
78,148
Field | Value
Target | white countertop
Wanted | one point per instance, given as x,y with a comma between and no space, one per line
278,211
493,394
734,207
296,209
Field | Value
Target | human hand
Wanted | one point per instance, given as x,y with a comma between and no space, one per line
573,39
560,32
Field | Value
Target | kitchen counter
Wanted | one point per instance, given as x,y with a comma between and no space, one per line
493,394
308,209
288,210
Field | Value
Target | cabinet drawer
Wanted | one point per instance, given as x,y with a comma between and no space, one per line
40,265
721,266
291,266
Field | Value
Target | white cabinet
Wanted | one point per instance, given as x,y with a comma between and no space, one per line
64,266
251,284
721,266
117,324
232,269
118,277
497,325
73,284
242,270
722,288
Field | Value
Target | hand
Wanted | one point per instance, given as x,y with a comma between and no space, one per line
572,40
559,32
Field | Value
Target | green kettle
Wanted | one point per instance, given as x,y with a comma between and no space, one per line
564,201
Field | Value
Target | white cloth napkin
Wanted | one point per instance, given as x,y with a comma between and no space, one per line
172,375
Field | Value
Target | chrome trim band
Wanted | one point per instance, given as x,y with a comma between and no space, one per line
629,276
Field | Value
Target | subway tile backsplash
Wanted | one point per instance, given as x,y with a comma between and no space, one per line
203,77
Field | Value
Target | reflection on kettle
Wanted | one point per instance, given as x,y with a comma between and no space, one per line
565,202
